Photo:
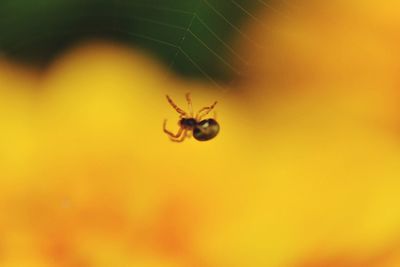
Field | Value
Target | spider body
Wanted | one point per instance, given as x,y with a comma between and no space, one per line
202,130
206,130
188,123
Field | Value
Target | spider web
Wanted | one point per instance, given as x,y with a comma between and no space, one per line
197,47
192,37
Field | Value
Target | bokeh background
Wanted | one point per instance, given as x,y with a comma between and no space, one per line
304,173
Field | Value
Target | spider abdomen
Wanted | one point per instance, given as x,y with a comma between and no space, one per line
206,130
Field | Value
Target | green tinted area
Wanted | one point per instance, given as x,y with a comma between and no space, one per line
193,37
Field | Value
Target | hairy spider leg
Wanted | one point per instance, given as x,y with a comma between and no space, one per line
206,110
189,100
170,134
178,140
179,110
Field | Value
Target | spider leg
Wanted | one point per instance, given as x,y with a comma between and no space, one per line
189,134
170,134
189,100
205,111
179,140
179,110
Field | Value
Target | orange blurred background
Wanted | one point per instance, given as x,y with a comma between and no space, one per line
304,173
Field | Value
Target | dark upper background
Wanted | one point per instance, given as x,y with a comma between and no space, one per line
35,31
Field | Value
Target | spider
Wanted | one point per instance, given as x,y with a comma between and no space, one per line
203,130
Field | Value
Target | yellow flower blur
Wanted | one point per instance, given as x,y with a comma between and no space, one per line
304,173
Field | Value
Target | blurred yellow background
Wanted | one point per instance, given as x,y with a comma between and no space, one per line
304,173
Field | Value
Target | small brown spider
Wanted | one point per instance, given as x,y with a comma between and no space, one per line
202,130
